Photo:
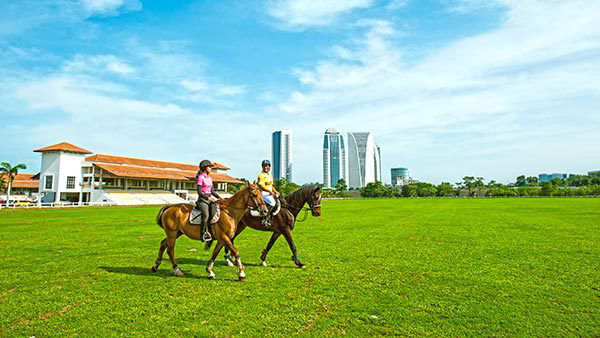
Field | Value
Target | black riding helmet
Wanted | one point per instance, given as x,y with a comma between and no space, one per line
204,164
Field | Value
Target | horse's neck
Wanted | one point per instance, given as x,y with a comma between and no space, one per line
236,206
297,203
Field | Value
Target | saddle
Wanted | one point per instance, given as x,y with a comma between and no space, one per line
256,213
196,216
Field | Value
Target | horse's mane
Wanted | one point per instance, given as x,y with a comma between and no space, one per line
298,197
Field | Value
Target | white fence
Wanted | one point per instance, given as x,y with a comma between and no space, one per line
56,205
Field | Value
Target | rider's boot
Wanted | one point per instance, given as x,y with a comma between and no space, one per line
206,236
266,221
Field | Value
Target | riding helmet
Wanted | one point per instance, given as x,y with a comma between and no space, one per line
266,162
205,163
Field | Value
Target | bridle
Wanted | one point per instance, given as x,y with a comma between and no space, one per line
247,207
311,207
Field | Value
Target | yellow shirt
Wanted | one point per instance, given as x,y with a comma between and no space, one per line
265,181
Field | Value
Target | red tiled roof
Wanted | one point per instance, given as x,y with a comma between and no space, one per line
147,163
161,174
63,146
24,181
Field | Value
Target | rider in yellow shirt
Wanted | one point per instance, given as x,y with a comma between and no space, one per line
265,183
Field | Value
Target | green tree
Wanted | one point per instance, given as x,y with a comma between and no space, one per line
521,181
377,189
341,185
472,184
409,190
10,172
548,189
532,181
445,189
285,188
426,189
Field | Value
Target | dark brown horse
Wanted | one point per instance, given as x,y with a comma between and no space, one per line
174,219
283,223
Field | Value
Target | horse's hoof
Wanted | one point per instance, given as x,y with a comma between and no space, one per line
263,263
241,278
229,263
301,266
212,277
153,269
179,273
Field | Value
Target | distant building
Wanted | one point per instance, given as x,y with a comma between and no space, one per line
595,172
334,158
399,176
72,174
282,155
549,177
364,160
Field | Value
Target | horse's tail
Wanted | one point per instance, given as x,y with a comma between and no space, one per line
159,216
208,245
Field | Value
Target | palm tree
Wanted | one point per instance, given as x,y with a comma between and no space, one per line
10,172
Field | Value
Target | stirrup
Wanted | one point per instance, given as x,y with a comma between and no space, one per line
265,222
206,237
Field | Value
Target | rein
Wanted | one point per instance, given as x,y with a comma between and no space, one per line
299,209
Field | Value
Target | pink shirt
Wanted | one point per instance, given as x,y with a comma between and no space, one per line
205,182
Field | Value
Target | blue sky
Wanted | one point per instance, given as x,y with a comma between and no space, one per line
493,88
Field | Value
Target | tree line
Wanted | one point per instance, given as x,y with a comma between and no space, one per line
470,186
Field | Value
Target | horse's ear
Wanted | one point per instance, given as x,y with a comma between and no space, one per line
318,189
247,184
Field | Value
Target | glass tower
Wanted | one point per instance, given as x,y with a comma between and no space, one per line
364,160
399,176
282,154
334,158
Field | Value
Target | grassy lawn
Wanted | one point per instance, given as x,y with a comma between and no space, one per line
408,267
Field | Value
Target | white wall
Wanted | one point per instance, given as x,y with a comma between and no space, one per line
60,165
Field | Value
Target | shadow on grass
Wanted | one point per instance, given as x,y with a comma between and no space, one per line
164,272
221,262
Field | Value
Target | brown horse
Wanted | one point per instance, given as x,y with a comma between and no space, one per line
174,219
283,223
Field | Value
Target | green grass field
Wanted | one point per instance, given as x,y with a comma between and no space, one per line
374,267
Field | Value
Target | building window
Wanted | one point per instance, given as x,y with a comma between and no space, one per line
49,182
70,182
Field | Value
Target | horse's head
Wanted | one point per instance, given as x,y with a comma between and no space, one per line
314,202
255,199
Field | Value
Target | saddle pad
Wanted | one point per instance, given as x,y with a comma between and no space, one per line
256,213
195,216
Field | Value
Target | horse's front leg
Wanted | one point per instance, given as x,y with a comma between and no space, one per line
263,256
210,264
234,251
229,260
161,251
171,238
288,237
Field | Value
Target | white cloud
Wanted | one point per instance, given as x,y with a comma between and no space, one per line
104,118
110,7
97,63
490,98
19,16
396,4
298,14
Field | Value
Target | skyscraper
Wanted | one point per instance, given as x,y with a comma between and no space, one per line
399,176
364,160
282,154
334,158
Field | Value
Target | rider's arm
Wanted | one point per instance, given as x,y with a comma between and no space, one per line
215,194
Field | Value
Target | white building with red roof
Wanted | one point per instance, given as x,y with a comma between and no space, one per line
72,174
